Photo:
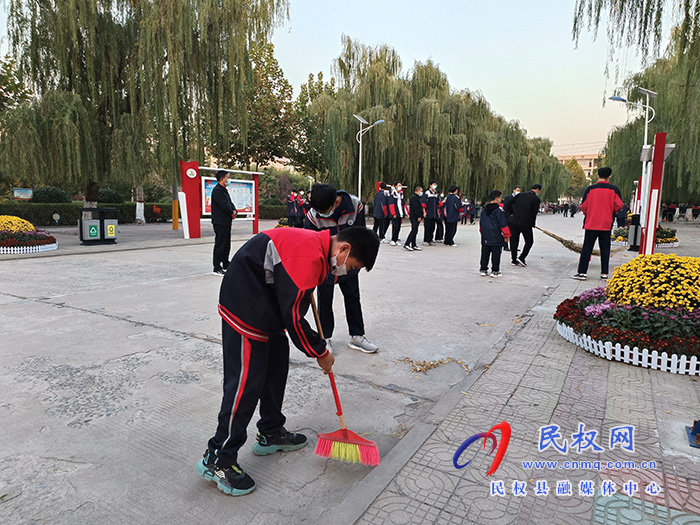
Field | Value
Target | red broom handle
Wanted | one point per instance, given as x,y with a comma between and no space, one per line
330,374
337,401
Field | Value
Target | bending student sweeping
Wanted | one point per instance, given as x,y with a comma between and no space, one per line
266,290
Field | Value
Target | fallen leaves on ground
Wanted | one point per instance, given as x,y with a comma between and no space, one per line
424,366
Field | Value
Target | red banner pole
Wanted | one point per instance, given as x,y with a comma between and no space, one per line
256,209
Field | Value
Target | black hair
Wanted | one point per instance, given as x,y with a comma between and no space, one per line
494,194
322,196
517,187
382,185
364,242
432,182
536,187
300,189
453,189
604,173
221,174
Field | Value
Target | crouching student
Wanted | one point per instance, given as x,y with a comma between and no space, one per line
494,230
267,290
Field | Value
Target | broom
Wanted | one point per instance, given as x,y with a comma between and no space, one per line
343,444
575,247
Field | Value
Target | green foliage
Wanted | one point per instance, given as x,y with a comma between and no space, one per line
41,215
578,178
110,195
50,194
429,131
12,89
273,212
138,83
268,97
677,106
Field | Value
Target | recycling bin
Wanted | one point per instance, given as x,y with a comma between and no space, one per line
98,229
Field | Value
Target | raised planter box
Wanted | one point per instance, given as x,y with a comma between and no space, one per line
634,356
657,245
5,250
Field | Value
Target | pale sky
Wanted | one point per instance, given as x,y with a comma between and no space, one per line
518,53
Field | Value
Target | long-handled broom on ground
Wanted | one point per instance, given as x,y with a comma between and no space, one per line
575,247
343,444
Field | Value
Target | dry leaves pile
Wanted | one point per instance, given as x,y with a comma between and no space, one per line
424,366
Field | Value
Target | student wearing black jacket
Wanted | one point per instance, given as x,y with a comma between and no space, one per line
493,227
523,210
223,212
335,211
453,209
415,214
380,211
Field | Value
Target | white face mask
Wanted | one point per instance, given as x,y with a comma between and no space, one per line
433,187
442,195
341,270
420,193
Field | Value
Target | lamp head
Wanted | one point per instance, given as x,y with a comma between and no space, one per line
358,117
618,99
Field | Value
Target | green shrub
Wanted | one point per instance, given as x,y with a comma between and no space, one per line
270,201
50,194
109,195
273,212
41,215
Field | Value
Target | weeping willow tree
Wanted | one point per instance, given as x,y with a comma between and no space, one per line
676,79
132,85
429,130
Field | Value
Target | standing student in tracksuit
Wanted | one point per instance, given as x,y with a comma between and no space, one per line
292,209
430,205
397,210
267,290
380,211
453,210
439,222
336,211
493,227
301,213
415,214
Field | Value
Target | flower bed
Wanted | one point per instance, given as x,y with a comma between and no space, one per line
20,236
665,237
649,312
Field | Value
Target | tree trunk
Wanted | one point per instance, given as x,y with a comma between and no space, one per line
140,216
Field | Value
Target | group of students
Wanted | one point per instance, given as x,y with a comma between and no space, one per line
297,208
668,212
439,213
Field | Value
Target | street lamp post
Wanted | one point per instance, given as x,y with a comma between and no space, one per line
646,151
358,137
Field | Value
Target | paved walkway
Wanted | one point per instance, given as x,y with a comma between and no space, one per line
110,379
538,380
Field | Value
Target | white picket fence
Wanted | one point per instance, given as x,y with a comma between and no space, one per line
633,356
657,245
5,250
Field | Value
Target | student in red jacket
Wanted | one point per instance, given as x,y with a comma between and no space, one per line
268,289
600,203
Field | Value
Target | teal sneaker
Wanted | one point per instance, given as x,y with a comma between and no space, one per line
287,442
231,480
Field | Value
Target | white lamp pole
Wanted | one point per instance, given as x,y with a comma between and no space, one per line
358,137
646,150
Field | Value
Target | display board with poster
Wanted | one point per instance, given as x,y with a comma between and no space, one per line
242,194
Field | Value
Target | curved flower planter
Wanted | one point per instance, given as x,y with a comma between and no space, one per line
634,356
5,250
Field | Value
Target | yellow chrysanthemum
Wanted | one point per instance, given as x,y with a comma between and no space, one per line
658,280
15,224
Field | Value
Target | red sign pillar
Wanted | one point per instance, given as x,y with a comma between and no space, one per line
192,188
646,247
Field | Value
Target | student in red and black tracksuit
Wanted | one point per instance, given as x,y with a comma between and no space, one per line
440,221
335,211
493,227
223,211
430,205
267,290
301,212
453,209
292,209
600,203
